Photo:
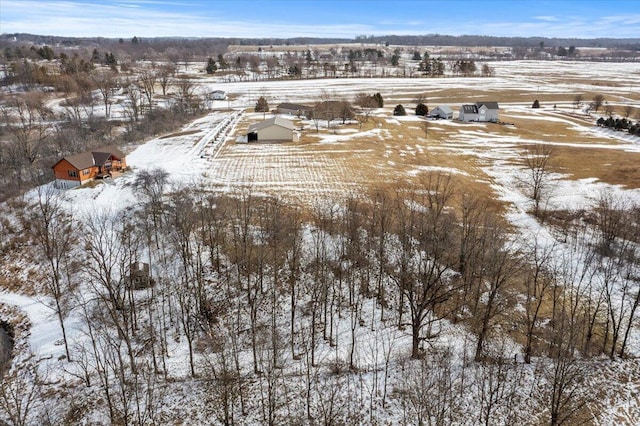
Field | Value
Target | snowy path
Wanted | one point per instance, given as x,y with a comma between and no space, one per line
45,337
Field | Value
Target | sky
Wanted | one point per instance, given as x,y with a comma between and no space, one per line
321,18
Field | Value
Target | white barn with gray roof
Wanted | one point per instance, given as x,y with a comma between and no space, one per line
441,111
275,129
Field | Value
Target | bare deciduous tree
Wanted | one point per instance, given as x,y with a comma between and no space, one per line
148,81
367,104
20,393
598,100
186,94
105,82
577,100
133,103
500,268
54,233
109,259
25,118
537,161
426,253
165,74
539,277
428,391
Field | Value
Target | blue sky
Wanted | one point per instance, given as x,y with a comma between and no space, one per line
326,18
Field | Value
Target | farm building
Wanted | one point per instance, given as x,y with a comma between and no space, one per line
294,109
276,129
480,111
81,168
217,95
442,111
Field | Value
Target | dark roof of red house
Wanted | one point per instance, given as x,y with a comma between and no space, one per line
96,157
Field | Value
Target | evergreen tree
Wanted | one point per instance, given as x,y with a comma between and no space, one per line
95,56
46,52
262,105
421,109
431,67
425,67
110,59
399,110
211,66
379,100
536,104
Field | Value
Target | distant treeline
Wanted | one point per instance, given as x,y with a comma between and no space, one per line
477,40
406,40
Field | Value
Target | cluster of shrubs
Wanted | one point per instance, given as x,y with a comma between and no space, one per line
620,124
421,109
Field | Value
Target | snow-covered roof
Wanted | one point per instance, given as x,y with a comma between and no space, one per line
275,121
444,108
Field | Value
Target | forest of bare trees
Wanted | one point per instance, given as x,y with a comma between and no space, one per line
338,313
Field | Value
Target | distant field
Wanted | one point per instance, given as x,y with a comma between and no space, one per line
387,149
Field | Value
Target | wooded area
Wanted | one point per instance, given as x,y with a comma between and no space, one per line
263,292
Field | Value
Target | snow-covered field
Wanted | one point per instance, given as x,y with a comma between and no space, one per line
332,164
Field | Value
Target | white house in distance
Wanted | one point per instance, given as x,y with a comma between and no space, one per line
480,111
442,111
217,95
275,129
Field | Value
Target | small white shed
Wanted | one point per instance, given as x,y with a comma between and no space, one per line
442,111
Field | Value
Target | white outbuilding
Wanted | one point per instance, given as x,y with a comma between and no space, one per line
442,111
217,95
276,129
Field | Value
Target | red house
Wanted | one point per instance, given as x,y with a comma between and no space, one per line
81,168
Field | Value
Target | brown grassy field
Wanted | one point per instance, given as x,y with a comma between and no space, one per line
385,151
